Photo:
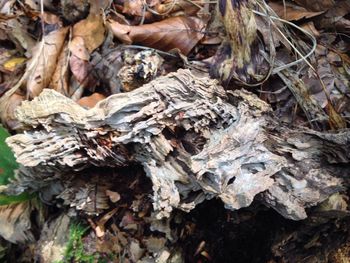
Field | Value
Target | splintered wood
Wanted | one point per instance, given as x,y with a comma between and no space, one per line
194,141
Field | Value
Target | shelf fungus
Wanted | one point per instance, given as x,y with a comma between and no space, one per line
194,140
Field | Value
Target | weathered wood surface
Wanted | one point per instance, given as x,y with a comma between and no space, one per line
194,140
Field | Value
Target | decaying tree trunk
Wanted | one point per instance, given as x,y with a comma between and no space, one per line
194,140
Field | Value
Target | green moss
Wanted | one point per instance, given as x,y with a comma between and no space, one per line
75,247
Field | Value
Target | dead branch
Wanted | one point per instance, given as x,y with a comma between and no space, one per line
194,141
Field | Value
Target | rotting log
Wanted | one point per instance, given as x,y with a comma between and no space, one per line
194,140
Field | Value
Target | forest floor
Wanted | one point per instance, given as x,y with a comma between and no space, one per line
174,131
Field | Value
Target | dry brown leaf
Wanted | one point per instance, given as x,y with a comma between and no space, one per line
336,19
90,102
82,71
79,68
91,30
316,5
310,27
97,5
179,32
59,80
43,62
292,12
78,48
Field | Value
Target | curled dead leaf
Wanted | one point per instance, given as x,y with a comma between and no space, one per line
178,32
91,30
43,63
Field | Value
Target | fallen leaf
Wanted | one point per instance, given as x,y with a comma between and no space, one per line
43,62
82,71
59,80
316,5
97,5
310,27
12,64
292,12
5,55
178,32
90,102
336,18
91,30
78,48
